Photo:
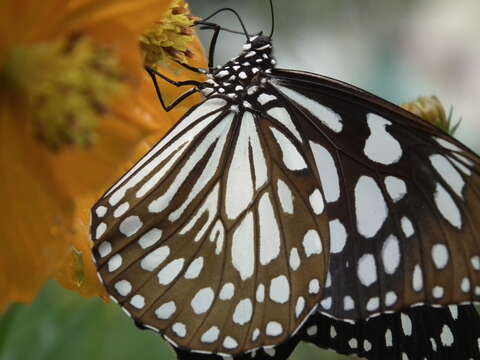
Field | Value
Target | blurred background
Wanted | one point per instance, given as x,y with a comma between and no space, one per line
398,50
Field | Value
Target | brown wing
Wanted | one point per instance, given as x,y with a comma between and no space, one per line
217,238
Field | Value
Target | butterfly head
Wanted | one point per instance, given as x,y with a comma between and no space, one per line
244,71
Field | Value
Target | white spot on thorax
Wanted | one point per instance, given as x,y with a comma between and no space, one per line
380,146
370,207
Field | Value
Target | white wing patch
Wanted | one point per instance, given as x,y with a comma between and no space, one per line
327,116
292,158
240,186
153,158
327,170
380,146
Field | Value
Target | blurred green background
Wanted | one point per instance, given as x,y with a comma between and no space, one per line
398,50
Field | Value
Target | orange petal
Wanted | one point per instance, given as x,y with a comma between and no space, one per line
35,219
136,14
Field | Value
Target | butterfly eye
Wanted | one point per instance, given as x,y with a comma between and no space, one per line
287,207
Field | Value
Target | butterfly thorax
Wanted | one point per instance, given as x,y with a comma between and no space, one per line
242,75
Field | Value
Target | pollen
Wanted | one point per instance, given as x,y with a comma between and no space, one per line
169,38
66,86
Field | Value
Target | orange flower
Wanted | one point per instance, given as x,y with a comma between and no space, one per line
76,109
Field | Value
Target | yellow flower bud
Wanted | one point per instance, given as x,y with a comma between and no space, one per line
431,109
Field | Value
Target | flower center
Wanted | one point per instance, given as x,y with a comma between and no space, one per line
66,86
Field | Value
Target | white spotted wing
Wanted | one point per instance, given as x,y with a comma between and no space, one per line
401,197
218,237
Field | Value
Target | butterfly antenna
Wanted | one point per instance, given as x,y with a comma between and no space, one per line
272,12
245,32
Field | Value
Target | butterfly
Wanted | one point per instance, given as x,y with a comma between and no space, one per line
287,206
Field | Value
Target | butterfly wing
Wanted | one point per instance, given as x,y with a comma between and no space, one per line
216,237
422,332
403,202
401,198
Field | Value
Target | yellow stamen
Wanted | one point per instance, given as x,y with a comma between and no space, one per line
66,85
169,38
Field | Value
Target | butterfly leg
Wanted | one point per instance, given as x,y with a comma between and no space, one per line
153,74
213,43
